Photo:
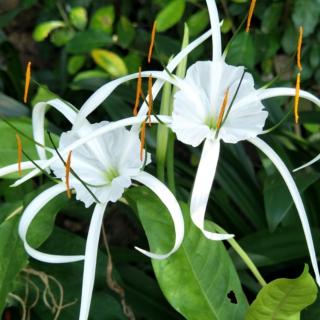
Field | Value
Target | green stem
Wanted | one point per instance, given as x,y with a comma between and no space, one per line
243,255
170,163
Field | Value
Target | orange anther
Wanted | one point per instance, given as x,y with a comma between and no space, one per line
296,99
153,35
68,167
143,139
223,108
27,83
138,93
299,48
250,14
150,98
19,144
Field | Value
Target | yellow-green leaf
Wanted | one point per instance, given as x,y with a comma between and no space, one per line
103,19
78,17
42,30
110,62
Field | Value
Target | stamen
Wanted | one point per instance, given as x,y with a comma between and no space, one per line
68,167
296,99
223,108
299,48
250,14
150,98
138,93
19,145
143,139
27,83
153,35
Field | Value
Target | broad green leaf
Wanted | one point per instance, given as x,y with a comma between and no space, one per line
103,19
198,22
125,31
198,278
75,63
110,62
277,206
170,15
11,107
283,299
271,17
133,61
85,41
61,36
13,257
43,94
78,17
43,29
289,39
242,51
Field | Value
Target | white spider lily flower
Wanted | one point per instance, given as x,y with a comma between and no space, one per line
107,157
218,102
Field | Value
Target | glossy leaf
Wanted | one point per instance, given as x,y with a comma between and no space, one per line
198,278
43,30
125,31
283,299
78,17
61,36
11,107
110,62
75,63
170,15
198,22
103,19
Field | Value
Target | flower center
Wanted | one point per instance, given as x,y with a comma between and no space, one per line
110,174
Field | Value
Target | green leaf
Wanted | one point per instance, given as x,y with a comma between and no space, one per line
43,94
13,257
283,299
61,36
271,17
110,62
306,13
11,107
242,51
85,41
198,278
198,22
103,19
125,31
43,29
75,63
278,207
170,15
78,17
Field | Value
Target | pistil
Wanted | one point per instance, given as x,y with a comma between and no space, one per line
153,35
27,83
250,14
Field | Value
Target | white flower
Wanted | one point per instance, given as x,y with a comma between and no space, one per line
106,156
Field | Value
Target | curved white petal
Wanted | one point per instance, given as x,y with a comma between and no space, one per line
38,114
278,92
90,260
283,170
215,26
12,168
107,128
173,207
202,187
26,219
314,160
103,92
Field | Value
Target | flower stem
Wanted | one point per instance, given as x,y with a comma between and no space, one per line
244,256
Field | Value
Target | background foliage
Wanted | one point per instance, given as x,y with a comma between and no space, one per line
77,45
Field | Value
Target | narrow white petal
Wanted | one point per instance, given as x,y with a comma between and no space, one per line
173,207
202,187
38,114
102,93
317,158
12,168
107,128
172,65
283,170
278,92
215,26
26,219
90,260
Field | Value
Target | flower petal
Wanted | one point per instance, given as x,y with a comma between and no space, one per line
107,128
314,160
283,170
38,114
202,187
26,219
12,168
278,92
215,26
173,207
90,260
